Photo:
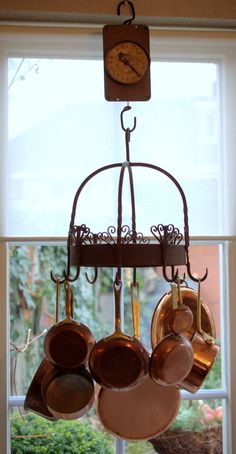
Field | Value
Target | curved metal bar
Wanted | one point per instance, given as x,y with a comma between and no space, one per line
176,183
57,279
93,280
130,165
120,189
83,184
132,11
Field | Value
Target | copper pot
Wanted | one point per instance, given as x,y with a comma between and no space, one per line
160,326
180,319
172,358
68,394
34,400
68,343
118,361
140,412
205,352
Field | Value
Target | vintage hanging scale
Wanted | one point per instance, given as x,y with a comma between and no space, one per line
126,54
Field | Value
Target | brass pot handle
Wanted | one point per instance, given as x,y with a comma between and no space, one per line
135,302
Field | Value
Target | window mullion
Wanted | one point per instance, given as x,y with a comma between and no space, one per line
4,352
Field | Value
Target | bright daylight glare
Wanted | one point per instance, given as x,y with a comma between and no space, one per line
60,129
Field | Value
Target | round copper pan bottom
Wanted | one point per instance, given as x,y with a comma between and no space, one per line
139,413
159,327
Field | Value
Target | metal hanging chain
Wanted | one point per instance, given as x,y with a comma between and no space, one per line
132,11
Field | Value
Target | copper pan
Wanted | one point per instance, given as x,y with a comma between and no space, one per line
172,358
68,343
68,394
205,353
141,412
33,399
160,328
180,319
118,361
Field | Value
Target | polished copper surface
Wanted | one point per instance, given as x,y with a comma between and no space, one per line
204,358
171,360
138,413
144,411
33,400
69,394
68,343
118,361
205,353
180,320
160,328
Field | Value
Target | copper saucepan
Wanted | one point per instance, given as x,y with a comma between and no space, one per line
172,358
205,353
180,319
33,399
160,326
68,343
118,361
68,394
140,412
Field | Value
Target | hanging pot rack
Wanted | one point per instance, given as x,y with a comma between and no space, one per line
122,246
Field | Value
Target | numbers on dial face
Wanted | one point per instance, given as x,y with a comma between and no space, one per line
126,62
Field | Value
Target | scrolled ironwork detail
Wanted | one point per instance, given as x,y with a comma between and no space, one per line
166,234
80,234
108,236
131,236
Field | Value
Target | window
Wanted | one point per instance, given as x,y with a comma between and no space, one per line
52,104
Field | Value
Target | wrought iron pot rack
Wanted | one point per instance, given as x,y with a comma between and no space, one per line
123,246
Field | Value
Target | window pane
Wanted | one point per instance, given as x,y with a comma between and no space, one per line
32,306
32,434
61,129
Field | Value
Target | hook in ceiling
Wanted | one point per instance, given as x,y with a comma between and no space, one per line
132,11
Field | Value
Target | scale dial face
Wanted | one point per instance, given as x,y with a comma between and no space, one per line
126,62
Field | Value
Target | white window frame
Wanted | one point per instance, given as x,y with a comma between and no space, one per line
165,45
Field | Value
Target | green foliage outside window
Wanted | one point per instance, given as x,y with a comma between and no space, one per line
35,435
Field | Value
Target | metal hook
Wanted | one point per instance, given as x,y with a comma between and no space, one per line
174,276
57,279
126,108
93,280
132,11
68,278
196,279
